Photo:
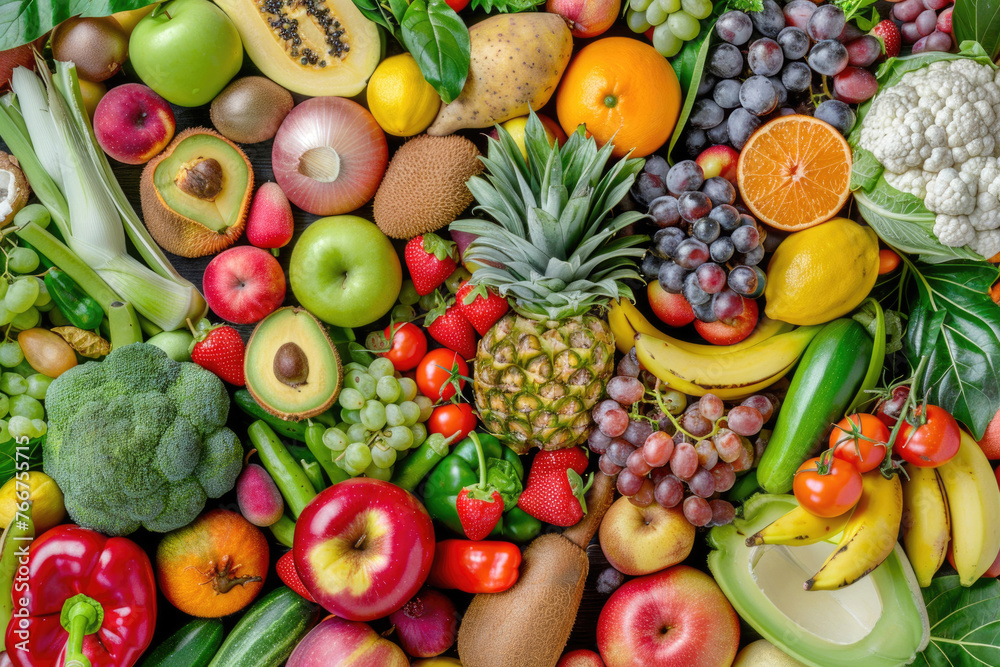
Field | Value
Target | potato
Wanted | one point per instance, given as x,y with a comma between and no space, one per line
517,61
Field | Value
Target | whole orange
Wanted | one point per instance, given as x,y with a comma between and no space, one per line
620,85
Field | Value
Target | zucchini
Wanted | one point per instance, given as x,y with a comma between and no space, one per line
826,380
193,645
269,631
289,429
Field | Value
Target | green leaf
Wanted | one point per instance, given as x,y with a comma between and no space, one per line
505,6
398,9
376,13
439,41
954,322
978,21
965,623
689,65
865,170
23,21
902,221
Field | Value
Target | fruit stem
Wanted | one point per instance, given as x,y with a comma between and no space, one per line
888,467
482,459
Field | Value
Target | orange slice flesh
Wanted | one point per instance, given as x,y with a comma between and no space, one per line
795,172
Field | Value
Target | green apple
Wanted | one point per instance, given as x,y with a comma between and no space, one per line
186,50
345,271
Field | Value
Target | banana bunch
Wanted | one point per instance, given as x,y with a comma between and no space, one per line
959,501
729,372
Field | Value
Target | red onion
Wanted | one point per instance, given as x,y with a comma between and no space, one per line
427,625
329,155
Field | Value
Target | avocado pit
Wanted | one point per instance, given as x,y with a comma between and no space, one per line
291,365
201,177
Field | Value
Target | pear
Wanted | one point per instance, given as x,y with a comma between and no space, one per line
517,61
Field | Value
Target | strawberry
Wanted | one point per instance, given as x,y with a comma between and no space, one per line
290,577
481,306
479,511
554,492
430,260
447,325
888,34
269,223
219,348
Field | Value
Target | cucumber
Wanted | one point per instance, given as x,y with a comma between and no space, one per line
269,631
193,645
289,429
826,380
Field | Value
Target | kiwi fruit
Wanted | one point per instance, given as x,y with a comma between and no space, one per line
424,187
528,624
250,110
98,46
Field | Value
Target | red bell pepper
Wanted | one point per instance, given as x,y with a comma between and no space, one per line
83,599
475,566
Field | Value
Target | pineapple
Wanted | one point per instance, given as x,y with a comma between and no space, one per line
551,250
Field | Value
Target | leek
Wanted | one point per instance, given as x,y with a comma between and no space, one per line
86,202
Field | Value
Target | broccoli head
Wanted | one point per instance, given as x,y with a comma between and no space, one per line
139,440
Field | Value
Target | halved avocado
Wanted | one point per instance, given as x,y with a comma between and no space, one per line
196,193
317,48
879,621
292,369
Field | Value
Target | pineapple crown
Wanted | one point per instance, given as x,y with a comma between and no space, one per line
549,248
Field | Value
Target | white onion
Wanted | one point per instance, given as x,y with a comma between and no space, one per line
329,155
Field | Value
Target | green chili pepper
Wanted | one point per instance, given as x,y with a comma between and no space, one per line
81,310
461,468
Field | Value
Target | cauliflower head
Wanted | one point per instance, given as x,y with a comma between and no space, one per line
139,440
937,133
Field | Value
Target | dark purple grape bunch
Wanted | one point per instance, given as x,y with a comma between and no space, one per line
769,63
704,247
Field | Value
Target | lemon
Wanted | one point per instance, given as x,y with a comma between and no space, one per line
821,273
47,509
399,97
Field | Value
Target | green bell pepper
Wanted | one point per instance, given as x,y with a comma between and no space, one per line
461,468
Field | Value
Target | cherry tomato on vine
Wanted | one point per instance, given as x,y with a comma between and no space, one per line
434,374
829,494
860,440
457,5
408,347
452,418
888,261
931,442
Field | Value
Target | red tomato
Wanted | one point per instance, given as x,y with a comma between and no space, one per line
931,443
452,418
409,345
860,440
827,495
434,374
457,5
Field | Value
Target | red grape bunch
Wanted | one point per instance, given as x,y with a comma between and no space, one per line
668,452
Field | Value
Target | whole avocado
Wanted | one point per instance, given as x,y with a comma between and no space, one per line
139,440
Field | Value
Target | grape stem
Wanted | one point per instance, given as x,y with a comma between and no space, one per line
677,425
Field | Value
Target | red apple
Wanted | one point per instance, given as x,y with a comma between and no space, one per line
133,124
244,284
723,332
580,658
586,18
19,56
675,618
719,161
345,644
672,309
363,547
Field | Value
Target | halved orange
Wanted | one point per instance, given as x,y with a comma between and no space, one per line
795,172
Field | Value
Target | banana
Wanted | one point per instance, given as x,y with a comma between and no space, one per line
974,504
799,528
626,321
734,374
869,537
926,525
